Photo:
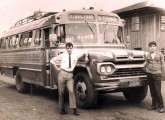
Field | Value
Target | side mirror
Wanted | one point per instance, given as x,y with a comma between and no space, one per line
53,39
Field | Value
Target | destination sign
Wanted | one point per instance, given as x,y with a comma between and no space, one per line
82,17
105,18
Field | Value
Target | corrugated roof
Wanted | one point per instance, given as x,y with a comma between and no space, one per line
146,3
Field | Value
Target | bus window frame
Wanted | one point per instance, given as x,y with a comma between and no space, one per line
31,40
12,45
6,43
0,43
17,41
60,33
10,41
46,42
40,37
3,43
25,44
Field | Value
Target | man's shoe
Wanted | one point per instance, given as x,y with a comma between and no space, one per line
161,110
152,108
75,112
63,112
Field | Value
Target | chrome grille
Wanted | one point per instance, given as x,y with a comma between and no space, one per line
127,72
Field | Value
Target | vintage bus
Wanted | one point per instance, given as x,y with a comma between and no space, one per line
26,50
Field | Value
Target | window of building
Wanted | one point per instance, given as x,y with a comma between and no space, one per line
37,40
162,23
135,23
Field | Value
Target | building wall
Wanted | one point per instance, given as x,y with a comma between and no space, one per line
149,31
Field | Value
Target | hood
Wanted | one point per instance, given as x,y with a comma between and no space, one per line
116,55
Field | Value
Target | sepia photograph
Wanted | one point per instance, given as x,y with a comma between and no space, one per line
82,59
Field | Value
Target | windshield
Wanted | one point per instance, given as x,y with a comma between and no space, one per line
81,33
110,34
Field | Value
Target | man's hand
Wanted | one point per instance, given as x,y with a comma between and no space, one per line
86,57
56,68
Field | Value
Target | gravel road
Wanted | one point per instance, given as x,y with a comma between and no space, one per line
42,104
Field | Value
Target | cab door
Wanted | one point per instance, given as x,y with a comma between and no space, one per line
46,33
56,50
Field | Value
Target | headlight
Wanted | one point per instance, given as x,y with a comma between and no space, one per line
102,69
106,69
109,69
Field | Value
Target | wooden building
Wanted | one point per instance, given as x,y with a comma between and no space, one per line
144,22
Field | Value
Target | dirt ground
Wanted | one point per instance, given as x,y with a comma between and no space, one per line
42,104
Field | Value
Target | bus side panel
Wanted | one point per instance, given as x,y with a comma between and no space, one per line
6,71
30,63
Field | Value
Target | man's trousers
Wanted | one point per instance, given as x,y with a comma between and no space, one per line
154,81
65,79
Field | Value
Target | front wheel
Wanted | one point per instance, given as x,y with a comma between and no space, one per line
85,94
136,94
21,86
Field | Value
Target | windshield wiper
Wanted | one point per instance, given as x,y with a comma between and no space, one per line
90,27
105,31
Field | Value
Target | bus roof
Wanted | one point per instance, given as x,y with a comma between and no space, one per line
47,21
64,15
30,26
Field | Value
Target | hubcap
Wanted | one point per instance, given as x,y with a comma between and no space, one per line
81,90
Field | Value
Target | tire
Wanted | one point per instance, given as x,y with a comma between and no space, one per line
137,94
21,86
85,94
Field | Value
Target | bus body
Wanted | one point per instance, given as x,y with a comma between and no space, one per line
26,50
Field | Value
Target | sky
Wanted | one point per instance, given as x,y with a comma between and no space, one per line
12,11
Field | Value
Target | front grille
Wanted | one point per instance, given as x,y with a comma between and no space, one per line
126,72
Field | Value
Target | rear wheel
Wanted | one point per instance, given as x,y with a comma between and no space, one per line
85,94
136,94
21,86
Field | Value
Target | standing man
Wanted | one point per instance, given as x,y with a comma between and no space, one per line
68,61
154,67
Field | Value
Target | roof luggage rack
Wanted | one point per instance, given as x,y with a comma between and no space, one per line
36,16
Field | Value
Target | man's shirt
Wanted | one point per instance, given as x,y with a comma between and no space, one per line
155,65
63,59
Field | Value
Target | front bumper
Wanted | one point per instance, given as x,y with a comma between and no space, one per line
126,82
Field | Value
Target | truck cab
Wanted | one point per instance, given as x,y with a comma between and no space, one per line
112,66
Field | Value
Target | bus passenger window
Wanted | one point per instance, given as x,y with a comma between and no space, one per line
3,43
59,31
16,41
10,42
6,43
0,43
62,34
47,32
30,38
13,40
37,40
24,39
